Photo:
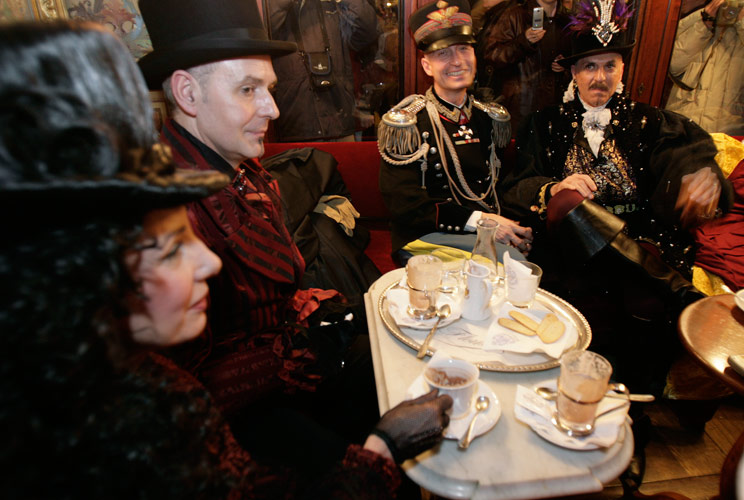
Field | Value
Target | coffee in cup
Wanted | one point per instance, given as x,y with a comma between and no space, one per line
455,377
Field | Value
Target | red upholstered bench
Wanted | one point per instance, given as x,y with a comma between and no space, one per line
359,165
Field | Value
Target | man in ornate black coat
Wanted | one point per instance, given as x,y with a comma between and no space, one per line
611,187
440,161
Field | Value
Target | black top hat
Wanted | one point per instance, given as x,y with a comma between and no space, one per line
597,27
440,24
55,155
188,33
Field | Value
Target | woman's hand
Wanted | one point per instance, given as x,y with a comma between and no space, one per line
698,197
411,428
511,233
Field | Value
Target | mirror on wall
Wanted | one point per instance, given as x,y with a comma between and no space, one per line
346,72
378,69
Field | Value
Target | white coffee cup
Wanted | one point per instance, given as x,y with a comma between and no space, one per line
455,377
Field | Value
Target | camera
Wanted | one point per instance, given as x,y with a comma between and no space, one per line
537,18
728,12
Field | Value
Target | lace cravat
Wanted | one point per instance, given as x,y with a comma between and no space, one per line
595,121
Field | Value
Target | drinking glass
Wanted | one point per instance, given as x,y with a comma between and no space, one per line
424,277
582,383
522,287
453,268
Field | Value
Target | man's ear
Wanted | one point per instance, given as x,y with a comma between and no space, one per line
573,71
426,65
186,91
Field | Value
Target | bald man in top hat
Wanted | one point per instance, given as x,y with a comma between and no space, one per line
266,362
440,151
611,186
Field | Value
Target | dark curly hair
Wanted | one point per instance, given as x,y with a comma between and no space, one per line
84,413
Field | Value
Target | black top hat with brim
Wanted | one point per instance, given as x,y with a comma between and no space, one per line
188,33
441,24
591,35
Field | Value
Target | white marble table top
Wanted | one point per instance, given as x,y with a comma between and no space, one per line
510,461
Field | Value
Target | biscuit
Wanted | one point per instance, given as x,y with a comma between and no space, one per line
515,326
525,320
550,329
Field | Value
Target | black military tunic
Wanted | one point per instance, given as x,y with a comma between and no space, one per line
424,192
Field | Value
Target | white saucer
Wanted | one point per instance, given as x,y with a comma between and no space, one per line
548,432
397,300
537,413
458,426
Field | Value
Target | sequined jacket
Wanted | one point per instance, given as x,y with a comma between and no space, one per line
641,161
422,194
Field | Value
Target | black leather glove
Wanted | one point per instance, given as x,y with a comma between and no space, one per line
414,426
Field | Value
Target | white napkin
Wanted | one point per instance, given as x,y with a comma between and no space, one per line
500,338
513,265
398,306
536,411
518,274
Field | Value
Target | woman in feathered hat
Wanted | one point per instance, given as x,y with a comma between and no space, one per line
603,173
100,269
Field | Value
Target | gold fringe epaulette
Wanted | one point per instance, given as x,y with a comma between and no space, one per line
397,134
501,121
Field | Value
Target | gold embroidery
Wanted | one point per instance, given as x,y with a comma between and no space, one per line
609,170
452,115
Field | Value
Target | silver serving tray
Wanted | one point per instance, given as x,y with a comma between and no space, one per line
543,362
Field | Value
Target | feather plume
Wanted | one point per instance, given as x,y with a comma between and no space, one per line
587,16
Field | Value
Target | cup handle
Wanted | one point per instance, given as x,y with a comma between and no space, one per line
621,388
489,292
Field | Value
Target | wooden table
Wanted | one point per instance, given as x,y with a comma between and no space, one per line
510,461
711,329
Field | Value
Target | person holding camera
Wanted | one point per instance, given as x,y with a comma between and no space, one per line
315,89
707,67
522,47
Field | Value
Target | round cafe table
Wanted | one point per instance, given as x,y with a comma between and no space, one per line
711,329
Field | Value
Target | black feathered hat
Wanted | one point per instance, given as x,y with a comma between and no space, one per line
440,24
188,33
597,27
56,157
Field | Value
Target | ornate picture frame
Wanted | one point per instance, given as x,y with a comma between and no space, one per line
120,16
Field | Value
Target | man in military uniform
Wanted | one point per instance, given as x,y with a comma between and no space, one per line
440,163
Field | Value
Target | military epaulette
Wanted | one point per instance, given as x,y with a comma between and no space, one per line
501,121
397,135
